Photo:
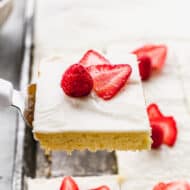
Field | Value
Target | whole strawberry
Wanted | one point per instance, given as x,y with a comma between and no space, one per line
76,81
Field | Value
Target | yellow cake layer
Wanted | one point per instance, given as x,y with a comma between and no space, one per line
70,141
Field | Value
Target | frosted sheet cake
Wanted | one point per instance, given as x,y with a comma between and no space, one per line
168,165
169,89
67,123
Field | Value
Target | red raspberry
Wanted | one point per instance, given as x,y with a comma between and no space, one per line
76,81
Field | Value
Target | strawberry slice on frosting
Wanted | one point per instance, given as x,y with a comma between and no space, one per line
165,123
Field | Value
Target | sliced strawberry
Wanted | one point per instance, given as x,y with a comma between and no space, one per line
69,184
104,187
92,57
109,79
176,185
168,125
145,67
159,186
157,136
153,111
157,54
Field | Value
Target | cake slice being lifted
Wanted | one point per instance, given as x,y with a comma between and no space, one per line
110,116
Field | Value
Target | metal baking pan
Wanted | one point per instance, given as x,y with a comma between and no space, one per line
30,159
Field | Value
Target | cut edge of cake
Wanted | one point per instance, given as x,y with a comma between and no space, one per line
96,141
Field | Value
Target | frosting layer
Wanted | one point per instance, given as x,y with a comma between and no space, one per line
56,112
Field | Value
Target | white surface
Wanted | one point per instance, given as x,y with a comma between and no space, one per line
56,112
84,183
6,93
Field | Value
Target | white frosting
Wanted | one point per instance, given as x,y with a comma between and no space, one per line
183,59
56,112
83,24
84,183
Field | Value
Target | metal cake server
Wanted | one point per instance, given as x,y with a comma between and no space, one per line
11,97
8,95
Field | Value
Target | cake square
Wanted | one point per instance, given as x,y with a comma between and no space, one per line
65,123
